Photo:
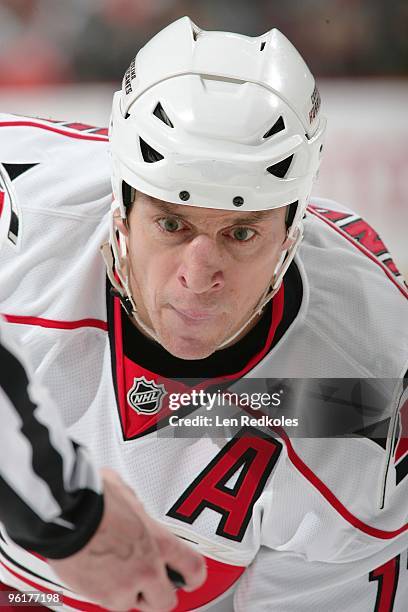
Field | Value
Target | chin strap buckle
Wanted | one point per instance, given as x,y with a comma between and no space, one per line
126,303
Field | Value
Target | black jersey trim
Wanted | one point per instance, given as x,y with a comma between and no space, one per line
15,170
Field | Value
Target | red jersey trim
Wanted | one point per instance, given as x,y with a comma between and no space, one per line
119,365
221,577
54,324
361,248
50,128
331,498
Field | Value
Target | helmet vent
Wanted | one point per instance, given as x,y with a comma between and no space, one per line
280,169
148,153
262,45
278,126
162,115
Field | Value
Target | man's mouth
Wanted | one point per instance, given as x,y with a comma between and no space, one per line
194,315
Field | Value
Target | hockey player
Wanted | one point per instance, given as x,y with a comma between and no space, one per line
215,142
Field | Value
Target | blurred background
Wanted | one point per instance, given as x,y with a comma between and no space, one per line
63,59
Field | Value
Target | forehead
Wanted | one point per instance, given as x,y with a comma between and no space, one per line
198,214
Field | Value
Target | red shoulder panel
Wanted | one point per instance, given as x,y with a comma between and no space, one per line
359,233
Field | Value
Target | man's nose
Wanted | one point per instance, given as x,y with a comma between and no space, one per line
201,269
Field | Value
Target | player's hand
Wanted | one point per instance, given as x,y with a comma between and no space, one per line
124,565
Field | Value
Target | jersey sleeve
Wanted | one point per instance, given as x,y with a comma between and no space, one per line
59,178
51,501
358,232
63,168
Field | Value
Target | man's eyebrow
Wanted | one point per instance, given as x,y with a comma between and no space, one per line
167,209
253,217
250,219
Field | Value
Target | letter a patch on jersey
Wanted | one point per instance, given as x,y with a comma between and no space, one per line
231,483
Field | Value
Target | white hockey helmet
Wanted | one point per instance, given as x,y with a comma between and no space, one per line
217,120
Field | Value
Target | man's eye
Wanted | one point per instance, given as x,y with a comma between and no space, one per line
170,224
243,234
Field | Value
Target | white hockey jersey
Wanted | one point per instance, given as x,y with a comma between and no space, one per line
287,524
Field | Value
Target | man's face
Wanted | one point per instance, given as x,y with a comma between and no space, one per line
196,274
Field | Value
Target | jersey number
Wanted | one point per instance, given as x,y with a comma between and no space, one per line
387,577
231,483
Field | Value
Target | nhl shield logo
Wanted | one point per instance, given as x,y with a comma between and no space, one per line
145,396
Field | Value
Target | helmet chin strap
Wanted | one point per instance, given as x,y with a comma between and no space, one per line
114,254
283,264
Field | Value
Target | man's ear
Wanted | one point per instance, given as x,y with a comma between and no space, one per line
287,243
120,224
